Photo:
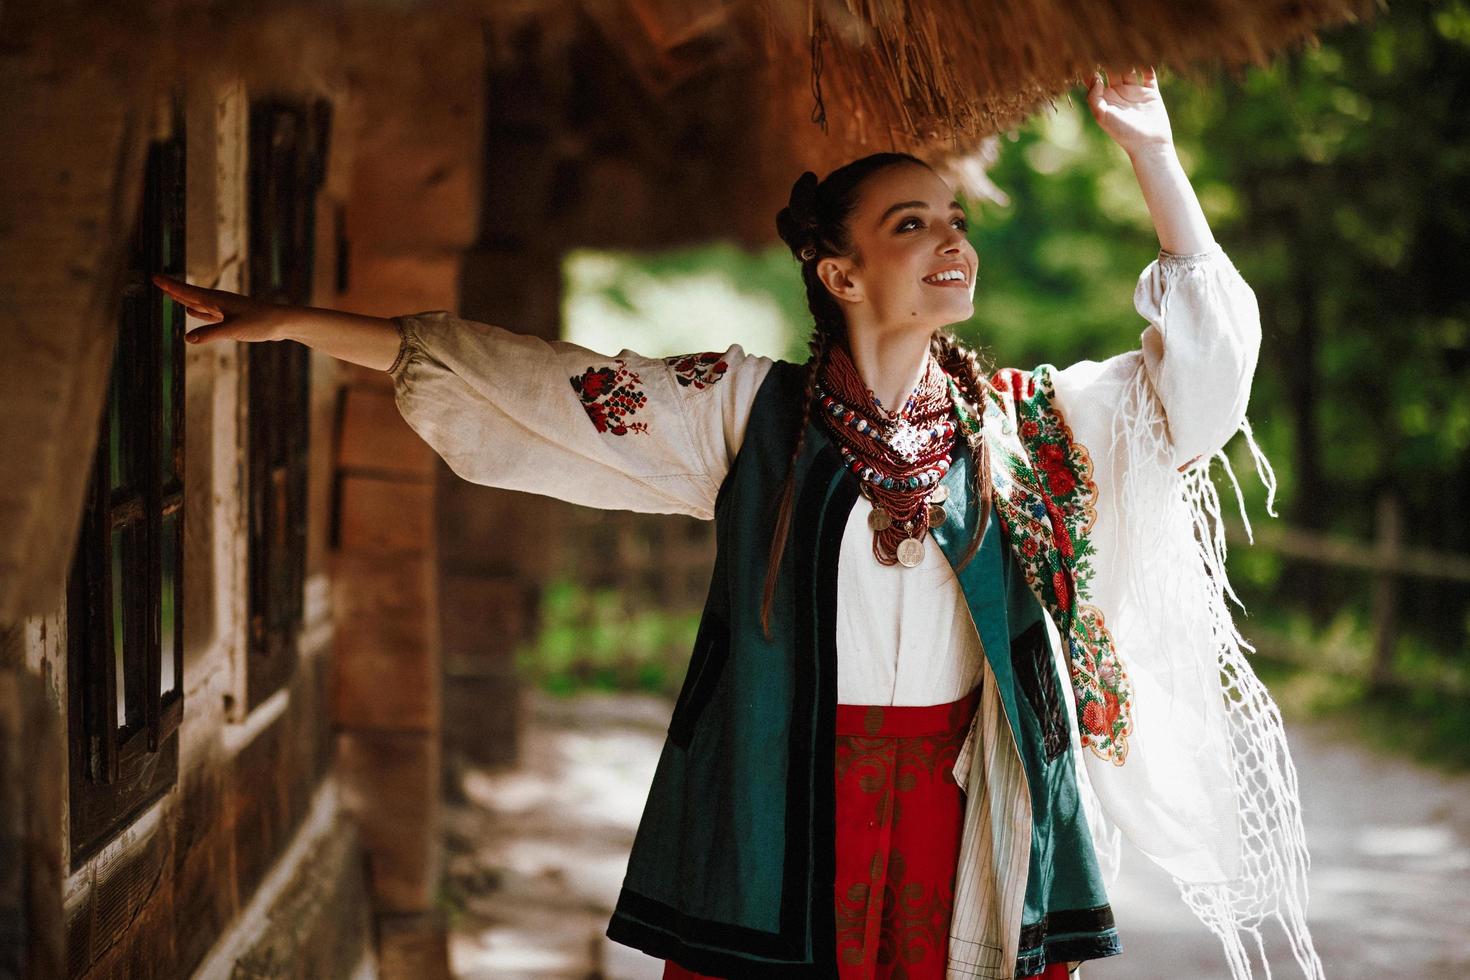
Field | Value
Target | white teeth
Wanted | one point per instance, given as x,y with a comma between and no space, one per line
949,274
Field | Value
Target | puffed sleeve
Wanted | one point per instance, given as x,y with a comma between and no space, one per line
1200,347
1208,788
1198,352
622,431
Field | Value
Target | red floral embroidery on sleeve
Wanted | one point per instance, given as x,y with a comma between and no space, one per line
610,396
699,370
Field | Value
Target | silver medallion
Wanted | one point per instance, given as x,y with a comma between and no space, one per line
910,552
905,440
940,494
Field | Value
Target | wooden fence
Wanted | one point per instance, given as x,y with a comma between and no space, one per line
1386,558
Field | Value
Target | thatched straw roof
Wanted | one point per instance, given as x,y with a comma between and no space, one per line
819,81
935,77
918,73
840,78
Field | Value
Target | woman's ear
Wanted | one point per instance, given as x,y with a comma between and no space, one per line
836,275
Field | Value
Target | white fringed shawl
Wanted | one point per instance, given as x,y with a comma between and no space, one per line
1208,789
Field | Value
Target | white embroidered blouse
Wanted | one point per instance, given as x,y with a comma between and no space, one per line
657,435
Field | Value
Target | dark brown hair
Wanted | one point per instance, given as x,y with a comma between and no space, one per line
814,225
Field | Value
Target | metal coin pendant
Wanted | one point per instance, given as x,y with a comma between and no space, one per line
940,494
910,552
879,520
936,515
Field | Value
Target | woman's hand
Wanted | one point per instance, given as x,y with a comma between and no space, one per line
231,315
371,341
1131,110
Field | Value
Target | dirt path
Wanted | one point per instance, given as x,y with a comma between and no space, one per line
537,855
1389,883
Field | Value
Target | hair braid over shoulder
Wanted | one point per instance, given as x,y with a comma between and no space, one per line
818,343
970,374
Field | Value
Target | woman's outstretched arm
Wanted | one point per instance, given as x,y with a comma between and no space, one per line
371,341
623,432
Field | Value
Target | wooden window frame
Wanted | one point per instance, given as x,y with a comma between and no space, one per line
287,154
135,494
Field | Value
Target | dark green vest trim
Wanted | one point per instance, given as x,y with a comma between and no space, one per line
1065,935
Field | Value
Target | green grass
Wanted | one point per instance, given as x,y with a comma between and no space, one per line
596,639
1422,722
600,640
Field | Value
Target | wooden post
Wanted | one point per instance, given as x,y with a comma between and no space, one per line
1388,538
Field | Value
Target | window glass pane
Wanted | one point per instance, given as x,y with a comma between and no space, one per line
277,254
116,450
119,636
166,378
129,581
170,538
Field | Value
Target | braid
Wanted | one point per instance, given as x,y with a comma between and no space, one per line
964,365
818,342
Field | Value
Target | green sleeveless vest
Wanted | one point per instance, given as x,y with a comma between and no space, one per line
731,872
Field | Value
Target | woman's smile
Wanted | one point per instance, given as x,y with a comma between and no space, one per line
956,275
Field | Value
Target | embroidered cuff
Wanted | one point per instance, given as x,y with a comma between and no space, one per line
1183,260
404,347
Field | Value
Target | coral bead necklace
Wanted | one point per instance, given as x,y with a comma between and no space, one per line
898,457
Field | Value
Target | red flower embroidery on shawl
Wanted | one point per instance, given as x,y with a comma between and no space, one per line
610,396
1094,718
1053,462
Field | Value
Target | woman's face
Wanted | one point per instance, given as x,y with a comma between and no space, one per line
906,229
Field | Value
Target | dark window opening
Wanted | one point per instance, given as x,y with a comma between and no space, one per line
125,658
287,160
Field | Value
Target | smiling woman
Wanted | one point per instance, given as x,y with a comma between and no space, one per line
910,733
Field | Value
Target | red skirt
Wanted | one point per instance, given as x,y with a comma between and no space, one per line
900,815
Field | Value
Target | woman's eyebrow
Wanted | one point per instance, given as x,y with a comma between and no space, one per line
901,205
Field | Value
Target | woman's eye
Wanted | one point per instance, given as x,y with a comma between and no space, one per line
903,225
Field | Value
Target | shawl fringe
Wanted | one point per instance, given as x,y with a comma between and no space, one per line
1271,883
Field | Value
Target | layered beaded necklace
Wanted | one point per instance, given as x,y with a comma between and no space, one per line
900,458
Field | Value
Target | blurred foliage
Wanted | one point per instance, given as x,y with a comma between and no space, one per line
591,639
1338,181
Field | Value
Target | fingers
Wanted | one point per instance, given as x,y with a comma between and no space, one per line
203,335
204,303
201,303
180,290
1120,74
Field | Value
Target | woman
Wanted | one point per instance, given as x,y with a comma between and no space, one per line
874,768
